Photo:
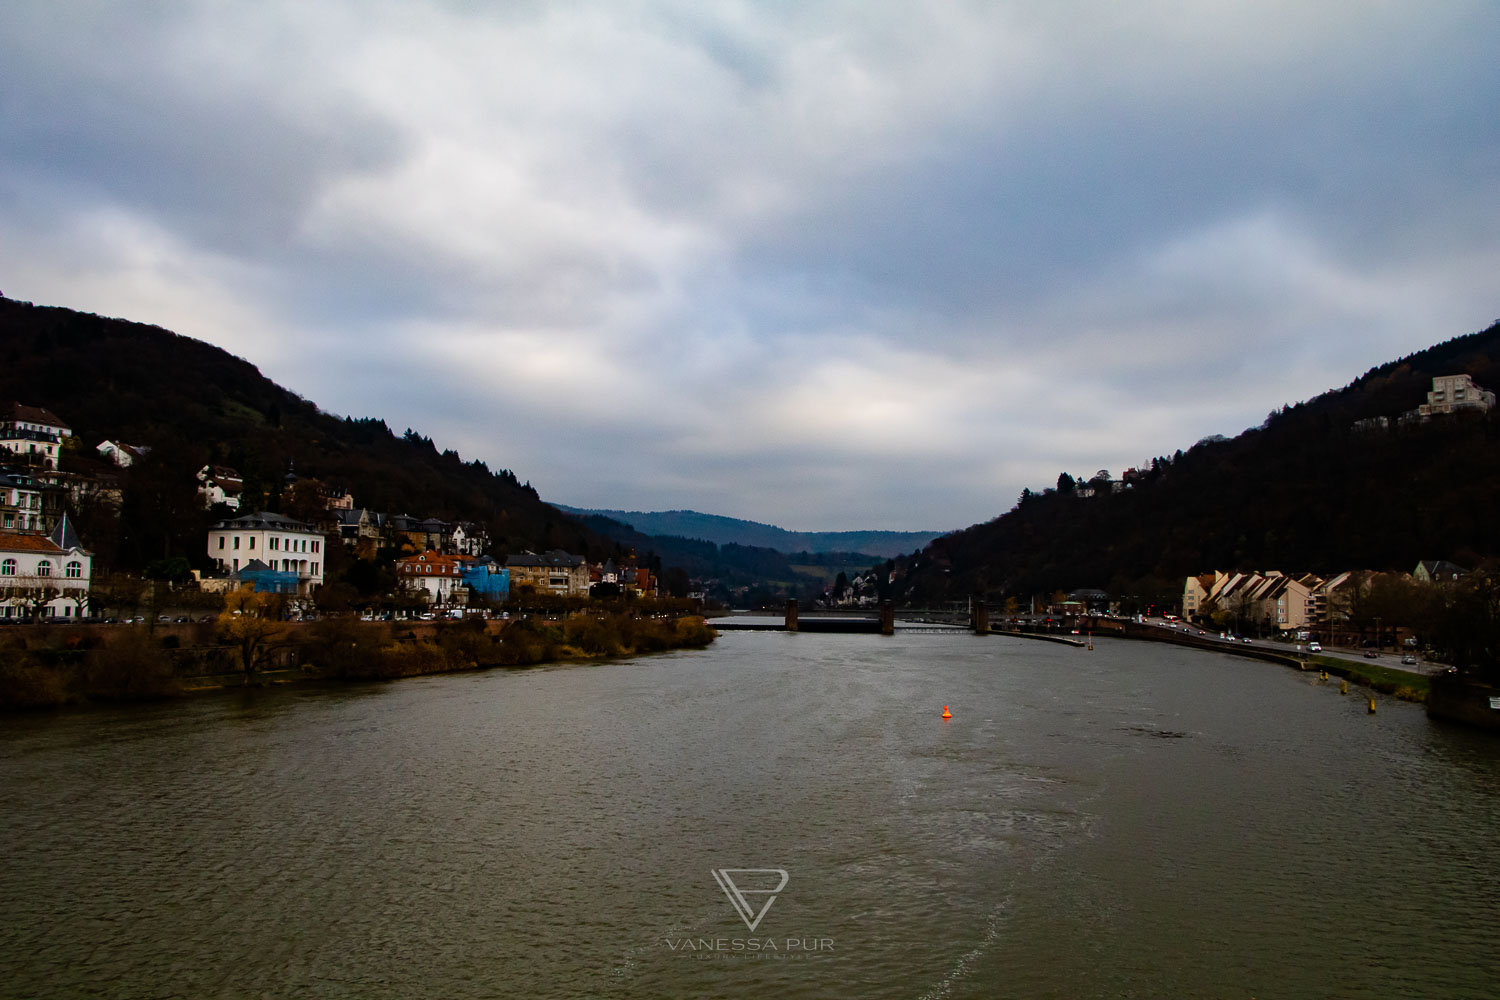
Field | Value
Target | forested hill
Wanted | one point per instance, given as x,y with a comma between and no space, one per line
1306,491
195,405
733,531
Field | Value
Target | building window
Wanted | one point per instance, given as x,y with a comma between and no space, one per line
236,545
74,571
221,543
44,568
8,568
252,541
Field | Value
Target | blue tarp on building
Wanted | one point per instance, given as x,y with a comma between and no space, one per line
488,580
266,579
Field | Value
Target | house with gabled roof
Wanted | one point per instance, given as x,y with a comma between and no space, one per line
1438,570
439,576
219,484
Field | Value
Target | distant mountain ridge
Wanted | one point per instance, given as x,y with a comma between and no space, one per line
733,531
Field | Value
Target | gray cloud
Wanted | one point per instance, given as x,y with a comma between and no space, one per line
830,265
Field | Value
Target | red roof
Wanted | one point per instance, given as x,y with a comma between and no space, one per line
15,541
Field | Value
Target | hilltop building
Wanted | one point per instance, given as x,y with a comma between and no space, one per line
1452,393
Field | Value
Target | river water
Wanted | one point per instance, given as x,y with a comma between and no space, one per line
1135,821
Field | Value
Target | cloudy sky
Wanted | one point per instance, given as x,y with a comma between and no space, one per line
828,265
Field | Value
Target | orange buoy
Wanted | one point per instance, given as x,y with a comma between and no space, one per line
947,714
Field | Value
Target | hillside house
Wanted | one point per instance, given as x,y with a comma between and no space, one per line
122,454
1438,571
219,484
554,572
33,435
438,576
20,501
284,545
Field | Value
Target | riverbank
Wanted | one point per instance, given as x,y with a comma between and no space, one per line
52,666
1396,683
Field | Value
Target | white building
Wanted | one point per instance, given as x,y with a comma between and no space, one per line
46,575
220,484
123,455
33,431
283,544
1451,393
20,502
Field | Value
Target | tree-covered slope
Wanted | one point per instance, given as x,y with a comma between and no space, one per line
1305,491
195,404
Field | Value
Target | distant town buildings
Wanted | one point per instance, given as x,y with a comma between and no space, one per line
45,572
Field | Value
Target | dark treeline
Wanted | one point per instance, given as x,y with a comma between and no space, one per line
1305,491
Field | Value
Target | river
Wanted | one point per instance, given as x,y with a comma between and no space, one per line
1136,821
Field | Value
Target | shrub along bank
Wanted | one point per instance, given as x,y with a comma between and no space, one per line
47,666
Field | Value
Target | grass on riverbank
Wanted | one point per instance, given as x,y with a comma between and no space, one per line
1397,683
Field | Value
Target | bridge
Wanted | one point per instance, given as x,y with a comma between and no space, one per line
972,616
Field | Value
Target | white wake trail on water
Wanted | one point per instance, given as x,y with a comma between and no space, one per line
944,987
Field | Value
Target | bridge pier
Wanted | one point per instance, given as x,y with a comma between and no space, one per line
887,618
791,615
980,616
